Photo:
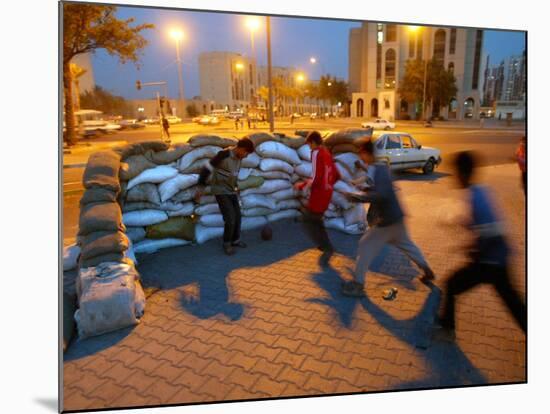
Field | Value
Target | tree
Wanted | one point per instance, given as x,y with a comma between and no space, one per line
192,110
87,28
76,73
106,102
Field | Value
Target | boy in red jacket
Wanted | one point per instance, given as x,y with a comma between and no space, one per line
323,177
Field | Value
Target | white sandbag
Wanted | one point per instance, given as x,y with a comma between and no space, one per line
129,253
257,200
208,151
340,201
285,214
347,160
249,223
288,204
272,149
268,187
258,211
185,210
109,299
185,195
305,152
142,218
345,174
338,224
244,173
272,164
284,194
196,167
356,215
152,245
207,199
153,175
212,220
332,214
305,169
70,257
207,209
177,183
271,175
135,234
203,233
295,178
344,187
251,161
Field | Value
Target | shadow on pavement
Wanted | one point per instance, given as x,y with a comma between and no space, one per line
81,348
419,176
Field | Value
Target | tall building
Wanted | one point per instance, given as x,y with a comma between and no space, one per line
379,52
227,79
514,78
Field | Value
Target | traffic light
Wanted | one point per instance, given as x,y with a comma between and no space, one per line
138,85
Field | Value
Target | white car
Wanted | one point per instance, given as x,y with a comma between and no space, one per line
209,120
379,123
402,152
172,119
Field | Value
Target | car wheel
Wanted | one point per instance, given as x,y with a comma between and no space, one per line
387,128
429,167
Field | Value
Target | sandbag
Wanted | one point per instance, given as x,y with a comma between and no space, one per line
150,246
175,184
344,187
284,194
102,171
244,173
288,204
207,199
259,138
186,209
356,215
147,192
305,152
203,233
202,140
196,167
250,182
168,156
295,178
181,227
102,258
96,195
341,201
276,150
70,257
293,142
136,165
258,200
305,169
338,224
154,175
135,234
343,148
285,214
103,242
99,217
258,211
249,223
144,217
268,187
251,161
129,254
344,173
110,299
140,148
348,161
207,209
271,175
332,214
184,195
347,136
211,220
271,164
208,151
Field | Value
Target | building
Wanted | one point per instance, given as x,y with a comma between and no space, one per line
379,52
514,79
227,79
494,85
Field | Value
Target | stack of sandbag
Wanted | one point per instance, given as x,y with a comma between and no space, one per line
110,297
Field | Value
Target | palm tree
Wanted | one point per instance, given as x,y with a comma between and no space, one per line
76,73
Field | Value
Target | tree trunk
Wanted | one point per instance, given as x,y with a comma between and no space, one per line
70,134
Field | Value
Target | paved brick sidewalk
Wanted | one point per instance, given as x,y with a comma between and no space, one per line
269,322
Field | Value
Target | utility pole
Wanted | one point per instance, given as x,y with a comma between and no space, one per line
269,80
424,92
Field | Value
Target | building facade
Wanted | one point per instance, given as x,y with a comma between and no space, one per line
227,79
377,59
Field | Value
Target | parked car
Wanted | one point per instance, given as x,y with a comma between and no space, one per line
235,114
313,116
130,124
151,121
172,119
379,123
296,115
209,120
196,119
401,151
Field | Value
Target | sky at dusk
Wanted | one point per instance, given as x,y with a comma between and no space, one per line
293,42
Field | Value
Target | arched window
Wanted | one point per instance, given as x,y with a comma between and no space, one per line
439,46
451,67
389,78
374,107
360,107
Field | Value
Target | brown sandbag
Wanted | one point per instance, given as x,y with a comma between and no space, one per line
168,156
252,181
103,242
201,140
147,192
347,136
261,137
179,227
185,195
96,195
136,165
109,257
102,171
99,217
293,142
341,148
140,148
138,205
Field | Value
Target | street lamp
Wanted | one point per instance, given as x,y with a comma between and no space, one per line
178,35
312,60
253,24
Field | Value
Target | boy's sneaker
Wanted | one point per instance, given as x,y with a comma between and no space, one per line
353,289
228,249
239,243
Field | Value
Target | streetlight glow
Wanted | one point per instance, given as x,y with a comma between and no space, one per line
253,23
300,77
176,34
414,28
313,60
239,66
329,84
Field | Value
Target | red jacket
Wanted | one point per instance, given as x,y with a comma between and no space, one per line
323,177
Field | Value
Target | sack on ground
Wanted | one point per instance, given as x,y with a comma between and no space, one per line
175,184
250,182
305,169
96,195
244,173
103,242
99,217
338,224
144,217
148,246
356,215
196,167
154,175
186,209
305,152
70,257
144,192
203,233
271,175
340,201
180,227
207,209
348,160
140,148
184,195
208,151
348,136
288,204
258,211
272,164
284,194
251,161
135,234
249,223
259,138
168,156
211,220
258,200
285,214
136,165
276,150
202,140
102,171
268,187
344,187
293,142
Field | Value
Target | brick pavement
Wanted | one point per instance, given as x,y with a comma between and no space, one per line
270,322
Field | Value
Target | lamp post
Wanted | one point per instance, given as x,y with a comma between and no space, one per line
269,79
300,78
177,35
253,24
